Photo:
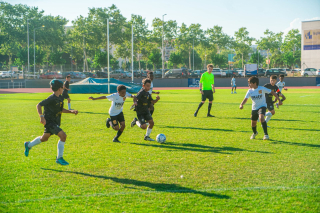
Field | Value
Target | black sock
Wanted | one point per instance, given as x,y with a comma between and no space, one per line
254,129
282,100
209,108
118,134
200,105
265,128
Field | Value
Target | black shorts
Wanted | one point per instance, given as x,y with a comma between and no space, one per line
144,117
117,118
270,106
255,113
65,95
52,128
207,94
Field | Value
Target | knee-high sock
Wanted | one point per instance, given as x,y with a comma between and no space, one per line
254,129
35,142
69,105
118,134
148,131
268,116
60,148
200,105
265,128
209,108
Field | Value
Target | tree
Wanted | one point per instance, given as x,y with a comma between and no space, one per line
219,60
155,58
175,59
256,58
242,44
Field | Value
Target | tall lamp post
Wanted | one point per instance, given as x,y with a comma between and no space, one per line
162,45
34,50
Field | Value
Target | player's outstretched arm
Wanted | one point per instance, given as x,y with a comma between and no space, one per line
102,97
42,119
157,99
156,92
70,111
243,103
277,97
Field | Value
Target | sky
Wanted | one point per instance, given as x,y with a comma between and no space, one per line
255,15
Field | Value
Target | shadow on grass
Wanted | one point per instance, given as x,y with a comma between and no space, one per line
200,148
159,187
315,130
274,119
198,128
100,113
295,144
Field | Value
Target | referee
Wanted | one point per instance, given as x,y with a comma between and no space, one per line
206,87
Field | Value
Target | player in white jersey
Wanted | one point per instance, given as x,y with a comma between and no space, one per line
233,85
259,105
115,111
281,85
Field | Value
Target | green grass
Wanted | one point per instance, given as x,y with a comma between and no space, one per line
206,165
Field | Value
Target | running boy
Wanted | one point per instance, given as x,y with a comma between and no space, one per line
233,85
115,111
257,94
51,119
141,101
207,89
281,85
273,87
65,94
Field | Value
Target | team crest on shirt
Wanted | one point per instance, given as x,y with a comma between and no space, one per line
260,91
114,121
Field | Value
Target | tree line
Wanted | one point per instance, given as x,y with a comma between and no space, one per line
85,43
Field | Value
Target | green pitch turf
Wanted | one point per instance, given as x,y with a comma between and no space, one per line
206,165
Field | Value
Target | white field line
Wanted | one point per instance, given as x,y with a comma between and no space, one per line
166,191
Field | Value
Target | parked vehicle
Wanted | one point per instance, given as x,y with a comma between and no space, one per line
176,73
128,74
102,74
274,71
217,72
261,72
143,74
90,74
295,70
5,74
158,73
118,74
196,73
74,74
241,73
51,75
231,73
309,72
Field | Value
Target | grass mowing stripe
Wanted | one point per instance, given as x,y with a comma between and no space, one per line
256,188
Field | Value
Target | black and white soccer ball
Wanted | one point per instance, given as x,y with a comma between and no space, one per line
161,138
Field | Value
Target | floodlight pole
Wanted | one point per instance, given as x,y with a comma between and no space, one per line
132,54
162,45
108,56
193,53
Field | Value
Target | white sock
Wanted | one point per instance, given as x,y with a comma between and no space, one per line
36,141
138,123
60,148
148,131
268,117
69,105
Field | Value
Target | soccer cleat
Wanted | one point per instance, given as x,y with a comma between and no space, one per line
195,114
61,161
26,150
147,138
209,115
231,92
108,123
115,139
132,107
277,105
235,92
266,137
253,136
133,122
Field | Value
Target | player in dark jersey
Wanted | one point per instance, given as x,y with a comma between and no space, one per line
65,94
270,104
142,101
51,119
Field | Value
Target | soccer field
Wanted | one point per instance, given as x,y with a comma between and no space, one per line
206,164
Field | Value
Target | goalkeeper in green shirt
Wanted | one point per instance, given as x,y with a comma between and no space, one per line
207,89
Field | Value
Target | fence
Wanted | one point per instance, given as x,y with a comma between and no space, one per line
12,85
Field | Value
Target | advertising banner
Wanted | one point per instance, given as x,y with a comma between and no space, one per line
311,40
193,82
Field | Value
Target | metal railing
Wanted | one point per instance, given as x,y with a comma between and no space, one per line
12,85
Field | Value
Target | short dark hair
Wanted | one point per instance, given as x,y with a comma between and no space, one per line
273,77
68,76
210,65
121,87
145,81
254,80
282,76
56,84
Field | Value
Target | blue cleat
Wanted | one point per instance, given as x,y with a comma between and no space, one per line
26,150
61,161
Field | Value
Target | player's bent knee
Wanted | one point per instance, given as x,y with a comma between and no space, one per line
144,126
116,128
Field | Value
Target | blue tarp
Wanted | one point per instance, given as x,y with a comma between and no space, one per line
100,85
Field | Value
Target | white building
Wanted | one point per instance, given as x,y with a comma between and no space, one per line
310,44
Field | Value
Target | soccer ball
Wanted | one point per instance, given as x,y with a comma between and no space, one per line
161,138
